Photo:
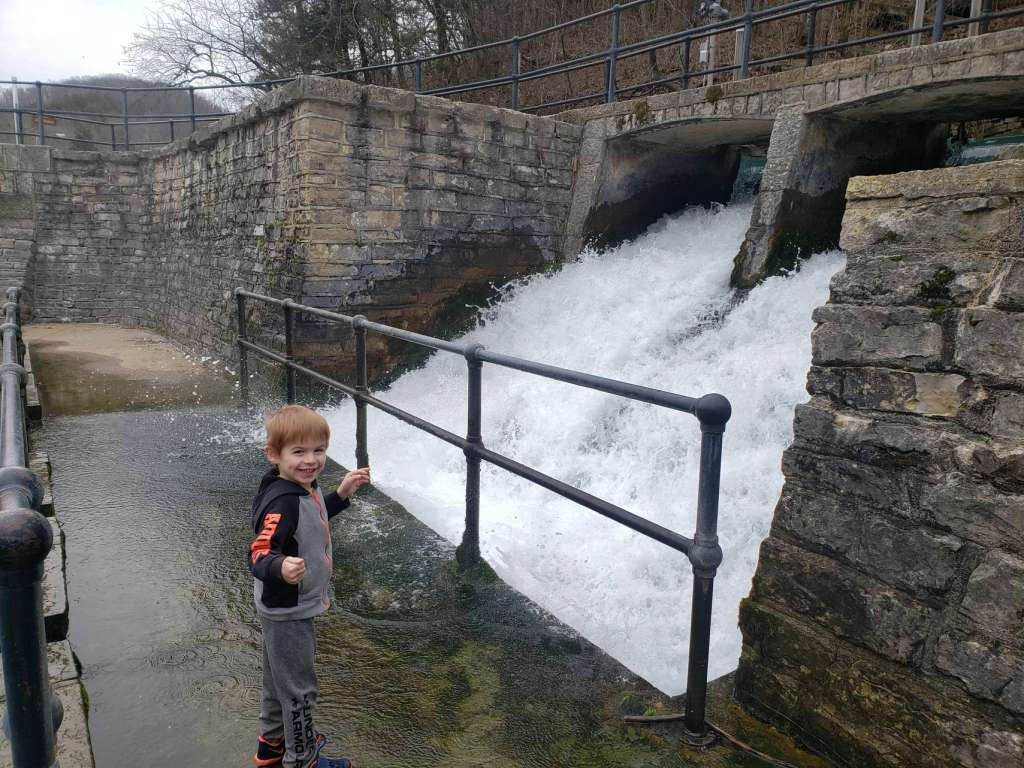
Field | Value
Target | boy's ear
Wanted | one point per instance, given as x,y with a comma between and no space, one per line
272,455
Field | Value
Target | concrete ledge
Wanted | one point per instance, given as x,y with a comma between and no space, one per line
74,749
998,177
55,594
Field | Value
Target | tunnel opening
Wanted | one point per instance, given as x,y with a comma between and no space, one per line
647,175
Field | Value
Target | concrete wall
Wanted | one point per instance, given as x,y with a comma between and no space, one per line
341,196
886,620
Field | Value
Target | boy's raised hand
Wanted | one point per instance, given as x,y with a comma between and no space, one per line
353,481
293,569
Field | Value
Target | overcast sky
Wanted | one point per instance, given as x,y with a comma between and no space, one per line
54,39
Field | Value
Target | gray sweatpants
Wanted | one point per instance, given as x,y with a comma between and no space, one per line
289,689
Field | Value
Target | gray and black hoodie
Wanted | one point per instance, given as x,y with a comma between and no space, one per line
290,521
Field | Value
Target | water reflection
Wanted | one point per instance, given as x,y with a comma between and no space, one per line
417,668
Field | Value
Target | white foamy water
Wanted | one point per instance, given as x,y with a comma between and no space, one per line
650,312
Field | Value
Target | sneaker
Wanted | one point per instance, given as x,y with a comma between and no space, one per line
269,752
323,762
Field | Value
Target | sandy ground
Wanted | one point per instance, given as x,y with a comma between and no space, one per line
88,368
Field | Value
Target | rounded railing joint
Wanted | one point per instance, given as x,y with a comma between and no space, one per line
471,353
13,294
4,327
359,321
23,480
15,368
705,556
713,411
10,305
26,538
238,291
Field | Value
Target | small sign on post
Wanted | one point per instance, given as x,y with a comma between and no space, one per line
47,120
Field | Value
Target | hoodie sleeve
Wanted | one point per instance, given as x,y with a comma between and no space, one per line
276,528
335,503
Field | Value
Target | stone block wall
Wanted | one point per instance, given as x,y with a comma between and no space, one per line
346,197
887,612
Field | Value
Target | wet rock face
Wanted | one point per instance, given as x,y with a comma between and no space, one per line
886,619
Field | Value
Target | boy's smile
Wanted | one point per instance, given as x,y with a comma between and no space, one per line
301,461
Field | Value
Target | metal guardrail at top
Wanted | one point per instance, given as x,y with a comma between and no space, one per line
981,15
32,713
712,411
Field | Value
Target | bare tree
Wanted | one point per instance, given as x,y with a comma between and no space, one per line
201,41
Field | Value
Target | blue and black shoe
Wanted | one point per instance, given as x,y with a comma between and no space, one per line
269,752
323,762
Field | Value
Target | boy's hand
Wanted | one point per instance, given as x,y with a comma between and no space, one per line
353,481
293,569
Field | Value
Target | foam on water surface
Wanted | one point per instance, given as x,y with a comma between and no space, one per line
658,312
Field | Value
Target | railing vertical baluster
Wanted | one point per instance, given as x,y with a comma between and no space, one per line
113,137
686,64
917,23
748,31
39,113
974,28
986,7
812,25
124,118
172,129
515,73
362,451
419,75
940,19
32,713
192,109
613,55
18,130
289,350
468,553
705,556
243,353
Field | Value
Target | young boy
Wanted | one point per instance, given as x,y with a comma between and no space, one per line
291,563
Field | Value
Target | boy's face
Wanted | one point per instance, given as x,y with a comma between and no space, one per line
301,461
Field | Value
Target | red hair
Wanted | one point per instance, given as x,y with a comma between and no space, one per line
293,424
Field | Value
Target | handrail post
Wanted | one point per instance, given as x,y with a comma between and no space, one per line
515,73
113,137
812,24
686,64
362,388
192,109
172,129
32,712
613,54
39,113
419,75
748,30
917,23
289,350
124,118
468,554
18,130
986,8
705,556
243,353
940,19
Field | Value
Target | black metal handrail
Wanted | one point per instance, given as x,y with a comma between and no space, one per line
712,411
33,713
609,58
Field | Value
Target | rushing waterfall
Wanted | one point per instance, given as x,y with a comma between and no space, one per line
658,312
